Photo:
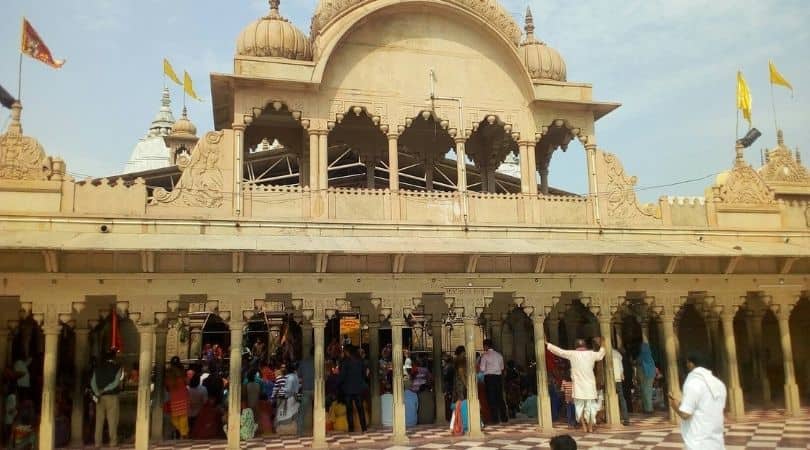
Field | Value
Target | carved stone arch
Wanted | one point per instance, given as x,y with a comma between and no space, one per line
357,145
275,119
424,142
328,39
488,145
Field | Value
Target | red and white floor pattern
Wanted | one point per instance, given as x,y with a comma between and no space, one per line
761,429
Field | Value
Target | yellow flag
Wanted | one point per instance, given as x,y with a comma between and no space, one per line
743,98
189,87
169,71
777,78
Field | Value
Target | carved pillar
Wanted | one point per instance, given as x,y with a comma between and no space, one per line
461,164
544,422
393,162
593,186
319,401
436,333
554,329
666,310
525,171
735,394
617,331
604,312
147,335
792,399
157,395
323,160
473,405
314,158
51,330
721,365
374,359
759,354
507,338
238,155
397,322
80,360
235,381
531,168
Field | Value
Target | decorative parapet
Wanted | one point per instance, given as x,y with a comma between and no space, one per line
621,204
109,197
202,182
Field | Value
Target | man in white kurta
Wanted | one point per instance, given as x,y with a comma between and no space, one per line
701,409
582,362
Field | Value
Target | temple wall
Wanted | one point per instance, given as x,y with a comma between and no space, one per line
685,211
795,214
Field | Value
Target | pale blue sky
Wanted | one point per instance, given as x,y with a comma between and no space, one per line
671,63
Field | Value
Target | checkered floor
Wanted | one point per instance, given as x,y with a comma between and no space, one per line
759,429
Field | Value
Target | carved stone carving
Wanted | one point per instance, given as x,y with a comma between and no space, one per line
22,157
783,168
201,183
622,200
489,10
743,185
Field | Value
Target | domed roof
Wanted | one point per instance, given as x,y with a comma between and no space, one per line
490,10
184,126
273,36
542,61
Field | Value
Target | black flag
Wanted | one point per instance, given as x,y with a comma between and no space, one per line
5,98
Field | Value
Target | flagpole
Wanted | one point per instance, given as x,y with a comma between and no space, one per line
19,79
773,107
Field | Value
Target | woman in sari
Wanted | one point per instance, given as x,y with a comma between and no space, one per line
646,377
288,404
178,397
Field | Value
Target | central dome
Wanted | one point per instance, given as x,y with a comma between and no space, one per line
490,11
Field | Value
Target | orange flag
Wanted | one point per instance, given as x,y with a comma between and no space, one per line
31,44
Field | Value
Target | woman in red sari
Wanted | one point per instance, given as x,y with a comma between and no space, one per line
178,397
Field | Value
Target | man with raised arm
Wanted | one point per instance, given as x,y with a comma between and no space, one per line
582,362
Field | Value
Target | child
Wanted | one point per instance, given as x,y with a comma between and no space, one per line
568,391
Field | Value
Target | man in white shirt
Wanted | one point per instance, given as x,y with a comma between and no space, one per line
582,361
618,375
491,365
701,409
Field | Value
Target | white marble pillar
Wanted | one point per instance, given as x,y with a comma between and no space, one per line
80,361
46,426
319,401
473,405
157,396
398,387
142,422
235,383
437,328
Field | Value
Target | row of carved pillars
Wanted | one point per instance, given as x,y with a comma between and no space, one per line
150,315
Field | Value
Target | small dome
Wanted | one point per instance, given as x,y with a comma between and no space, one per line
273,36
542,61
184,126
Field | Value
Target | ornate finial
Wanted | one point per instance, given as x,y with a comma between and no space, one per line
530,39
274,5
185,113
15,126
165,100
780,138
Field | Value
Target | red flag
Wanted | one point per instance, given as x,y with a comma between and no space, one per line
31,44
116,343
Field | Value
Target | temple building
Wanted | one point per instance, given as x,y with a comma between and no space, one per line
386,177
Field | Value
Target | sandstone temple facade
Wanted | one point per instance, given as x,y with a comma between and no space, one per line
357,171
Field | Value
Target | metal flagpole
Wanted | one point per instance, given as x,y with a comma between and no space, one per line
773,106
19,79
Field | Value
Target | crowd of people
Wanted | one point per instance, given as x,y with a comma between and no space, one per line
277,390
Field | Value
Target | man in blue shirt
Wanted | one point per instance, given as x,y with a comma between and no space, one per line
411,404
